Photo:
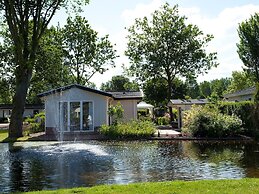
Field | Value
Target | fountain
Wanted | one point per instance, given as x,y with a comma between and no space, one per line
51,165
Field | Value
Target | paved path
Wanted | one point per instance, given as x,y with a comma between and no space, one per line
167,133
4,125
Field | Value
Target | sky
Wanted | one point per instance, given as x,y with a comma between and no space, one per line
217,17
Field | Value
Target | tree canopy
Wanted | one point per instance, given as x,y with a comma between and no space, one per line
50,71
248,46
155,91
240,80
85,52
216,87
120,83
27,22
166,47
192,88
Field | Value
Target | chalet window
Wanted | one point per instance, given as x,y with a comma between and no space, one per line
76,116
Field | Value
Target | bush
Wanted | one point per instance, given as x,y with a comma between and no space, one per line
165,120
207,121
246,111
116,112
36,124
243,110
144,118
144,115
132,129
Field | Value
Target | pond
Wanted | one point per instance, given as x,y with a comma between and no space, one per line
50,165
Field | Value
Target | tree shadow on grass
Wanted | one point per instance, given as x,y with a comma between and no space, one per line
5,139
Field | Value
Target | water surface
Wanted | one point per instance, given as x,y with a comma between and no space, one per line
41,165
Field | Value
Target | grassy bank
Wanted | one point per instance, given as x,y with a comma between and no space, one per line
208,186
4,137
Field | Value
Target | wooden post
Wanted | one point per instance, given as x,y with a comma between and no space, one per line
179,118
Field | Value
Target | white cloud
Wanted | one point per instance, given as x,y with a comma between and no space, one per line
141,10
223,26
128,17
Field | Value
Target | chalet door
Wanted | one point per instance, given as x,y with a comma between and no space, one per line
87,117
76,116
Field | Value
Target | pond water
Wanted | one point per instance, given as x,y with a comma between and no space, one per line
50,165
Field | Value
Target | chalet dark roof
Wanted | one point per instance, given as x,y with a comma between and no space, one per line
74,86
126,95
187,102
247,91
115,95
27,106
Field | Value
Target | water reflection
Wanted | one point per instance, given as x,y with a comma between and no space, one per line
36,166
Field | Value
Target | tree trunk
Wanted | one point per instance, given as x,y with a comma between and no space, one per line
19,99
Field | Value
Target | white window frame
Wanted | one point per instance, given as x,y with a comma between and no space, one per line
81,115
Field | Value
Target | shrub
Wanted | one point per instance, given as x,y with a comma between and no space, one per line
163,120
245,110
116,112
242,109
144,118
144,115
207,121
132,129
36,124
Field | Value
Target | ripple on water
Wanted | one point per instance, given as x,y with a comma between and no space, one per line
51,165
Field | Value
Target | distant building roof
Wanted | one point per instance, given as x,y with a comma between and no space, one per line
116,95
247,91
126,95
144,105
27,106
187,102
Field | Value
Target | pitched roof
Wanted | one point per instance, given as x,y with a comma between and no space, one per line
126,95
188,102
64,88
247,91
115,95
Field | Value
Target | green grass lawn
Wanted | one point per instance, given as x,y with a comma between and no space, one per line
240,186
3,134
4,137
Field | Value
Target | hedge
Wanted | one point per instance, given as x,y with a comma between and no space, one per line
247,111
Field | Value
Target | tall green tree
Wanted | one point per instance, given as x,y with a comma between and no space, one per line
25,39
192,88
6,91
248,46
216,87
205,89
7,81
219,86
240,80
120,83
166,47
50,71
155,91
86,53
